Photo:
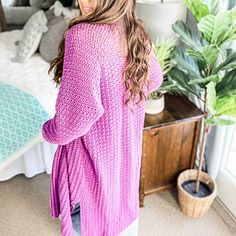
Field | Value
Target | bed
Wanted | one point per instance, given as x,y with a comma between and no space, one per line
28,79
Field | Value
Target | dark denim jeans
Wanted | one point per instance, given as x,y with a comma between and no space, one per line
131,230
75,216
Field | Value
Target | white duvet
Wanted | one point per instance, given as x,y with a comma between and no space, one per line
30,76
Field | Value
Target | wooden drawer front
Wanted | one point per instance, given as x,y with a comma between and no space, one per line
166,152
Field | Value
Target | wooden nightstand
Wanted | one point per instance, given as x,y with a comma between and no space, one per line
170,141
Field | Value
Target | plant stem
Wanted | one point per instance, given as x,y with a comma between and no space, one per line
203,144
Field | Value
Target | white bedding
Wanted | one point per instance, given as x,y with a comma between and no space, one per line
32,77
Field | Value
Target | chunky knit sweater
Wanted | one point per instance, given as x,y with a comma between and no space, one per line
98,159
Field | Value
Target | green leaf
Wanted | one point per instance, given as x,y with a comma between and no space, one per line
196,54
231,66
186,35
198,8
206,26
228,64
211,98
170,87
210,54
228,84
220,121
207,54
215,7
180,79
185,63
211,78
163,50
214,28
230,34
226,106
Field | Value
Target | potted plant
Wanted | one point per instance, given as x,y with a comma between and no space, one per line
206,67
163,50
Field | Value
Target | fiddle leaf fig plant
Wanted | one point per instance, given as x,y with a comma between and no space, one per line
205,64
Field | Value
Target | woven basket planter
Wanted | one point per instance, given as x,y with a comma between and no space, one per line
190,205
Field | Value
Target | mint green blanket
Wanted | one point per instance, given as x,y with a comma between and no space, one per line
21,120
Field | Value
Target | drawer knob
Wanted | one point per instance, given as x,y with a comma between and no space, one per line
156,133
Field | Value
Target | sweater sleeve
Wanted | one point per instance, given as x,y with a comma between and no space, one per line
78,104
155,73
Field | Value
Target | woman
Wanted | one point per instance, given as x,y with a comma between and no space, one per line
105,68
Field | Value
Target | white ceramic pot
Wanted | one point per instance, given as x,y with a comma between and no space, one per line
155,106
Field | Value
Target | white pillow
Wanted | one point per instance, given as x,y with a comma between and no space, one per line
33,31
59,10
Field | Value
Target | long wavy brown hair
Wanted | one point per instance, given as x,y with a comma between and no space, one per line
137,41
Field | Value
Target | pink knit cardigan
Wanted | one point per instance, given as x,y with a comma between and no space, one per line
97,162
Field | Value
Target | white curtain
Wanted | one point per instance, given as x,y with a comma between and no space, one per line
215,149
